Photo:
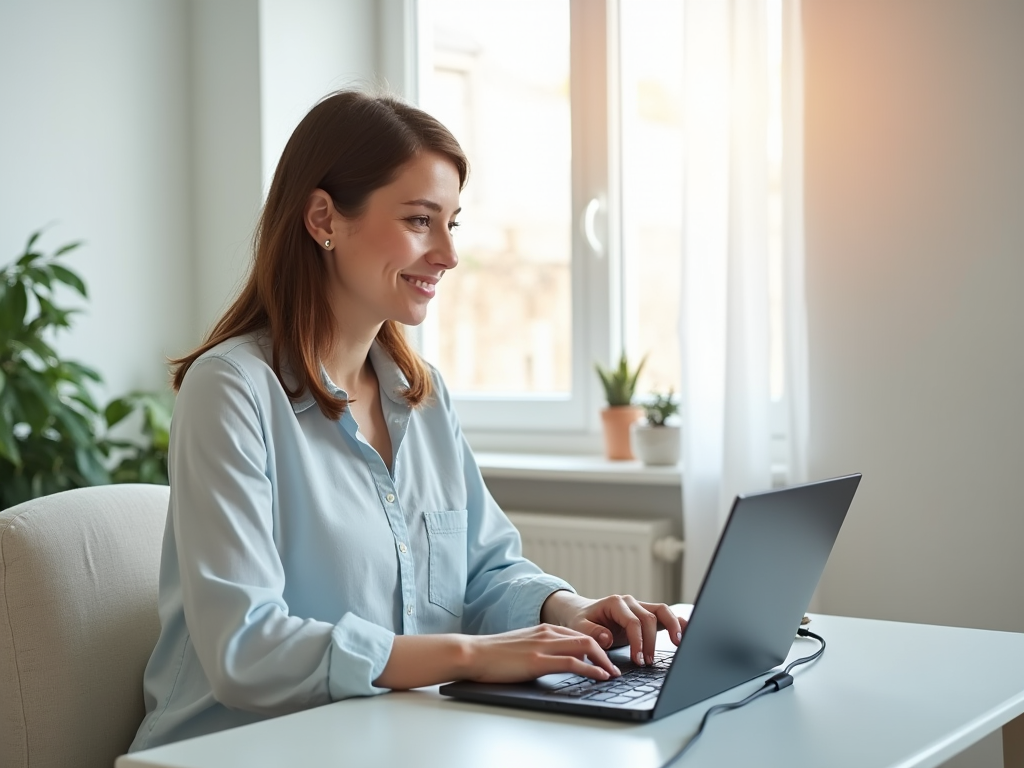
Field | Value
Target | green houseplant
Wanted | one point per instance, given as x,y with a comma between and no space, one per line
143,460
619,382
619,387
52,432
655,441
659,408
48,416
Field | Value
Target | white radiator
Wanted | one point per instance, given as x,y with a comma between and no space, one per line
601,556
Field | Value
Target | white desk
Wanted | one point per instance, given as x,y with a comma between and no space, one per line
884,694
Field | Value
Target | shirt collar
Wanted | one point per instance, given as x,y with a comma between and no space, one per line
393,382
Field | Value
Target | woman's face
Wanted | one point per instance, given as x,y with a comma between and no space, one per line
385,264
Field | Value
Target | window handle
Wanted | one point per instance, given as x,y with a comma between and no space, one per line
589,230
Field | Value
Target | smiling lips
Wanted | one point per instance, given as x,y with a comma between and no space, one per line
425,285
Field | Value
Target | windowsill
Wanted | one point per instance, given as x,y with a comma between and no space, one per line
587,469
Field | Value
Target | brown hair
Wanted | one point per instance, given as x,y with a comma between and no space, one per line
348,145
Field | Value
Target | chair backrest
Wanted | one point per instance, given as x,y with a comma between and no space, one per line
78,620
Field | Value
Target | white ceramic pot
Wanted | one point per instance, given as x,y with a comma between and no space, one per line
656,446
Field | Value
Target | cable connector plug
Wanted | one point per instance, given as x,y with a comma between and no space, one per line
779,680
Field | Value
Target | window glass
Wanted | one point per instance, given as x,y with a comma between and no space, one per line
651,81
498,77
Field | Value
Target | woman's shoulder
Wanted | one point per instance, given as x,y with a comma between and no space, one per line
246,359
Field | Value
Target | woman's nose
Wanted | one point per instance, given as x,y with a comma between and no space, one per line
443,253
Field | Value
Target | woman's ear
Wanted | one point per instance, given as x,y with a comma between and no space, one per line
319,218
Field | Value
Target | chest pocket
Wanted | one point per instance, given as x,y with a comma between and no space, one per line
446,538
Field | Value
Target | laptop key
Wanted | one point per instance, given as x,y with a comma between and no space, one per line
619,700
601,696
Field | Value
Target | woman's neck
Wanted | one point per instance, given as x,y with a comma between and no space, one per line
349,362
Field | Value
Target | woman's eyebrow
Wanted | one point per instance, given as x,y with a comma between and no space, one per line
428,204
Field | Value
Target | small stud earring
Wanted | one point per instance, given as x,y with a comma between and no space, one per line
327,243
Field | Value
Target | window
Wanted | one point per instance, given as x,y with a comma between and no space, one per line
570,112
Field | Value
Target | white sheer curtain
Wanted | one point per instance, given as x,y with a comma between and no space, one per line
724,310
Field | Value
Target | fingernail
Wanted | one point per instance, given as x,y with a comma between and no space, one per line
679,636
605,674
617,670
640,658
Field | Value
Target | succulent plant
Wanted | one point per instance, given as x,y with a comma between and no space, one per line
660,408
619,382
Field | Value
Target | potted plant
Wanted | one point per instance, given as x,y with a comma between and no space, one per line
619,387
52,431
655,441
48,417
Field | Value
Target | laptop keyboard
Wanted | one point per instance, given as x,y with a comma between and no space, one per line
634,685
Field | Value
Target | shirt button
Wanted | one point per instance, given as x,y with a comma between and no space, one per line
389,498
402,548
408,610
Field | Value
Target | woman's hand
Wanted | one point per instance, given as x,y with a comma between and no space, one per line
614,620
525,654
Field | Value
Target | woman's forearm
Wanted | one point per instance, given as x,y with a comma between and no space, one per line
418,660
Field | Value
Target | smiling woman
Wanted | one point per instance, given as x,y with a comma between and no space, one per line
329,532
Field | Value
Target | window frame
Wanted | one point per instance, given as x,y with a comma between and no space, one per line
568,422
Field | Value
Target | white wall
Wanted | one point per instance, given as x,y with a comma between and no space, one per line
915,247
150,130
94,141
226,160
309,48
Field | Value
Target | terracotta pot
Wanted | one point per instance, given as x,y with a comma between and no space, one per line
617,419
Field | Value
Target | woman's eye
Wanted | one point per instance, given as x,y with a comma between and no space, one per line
452,225
420,221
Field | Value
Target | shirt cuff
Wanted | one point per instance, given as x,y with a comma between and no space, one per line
529,594
360,650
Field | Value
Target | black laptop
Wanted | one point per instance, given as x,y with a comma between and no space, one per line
766,566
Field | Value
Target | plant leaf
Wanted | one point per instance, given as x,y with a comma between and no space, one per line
81,371
75,424
158,420
35,399
117,410
69,247
53,315
41,349
41,275
90,466
66,276
29,255
13,305
8,444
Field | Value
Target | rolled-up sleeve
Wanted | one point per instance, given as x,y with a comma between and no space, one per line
255,654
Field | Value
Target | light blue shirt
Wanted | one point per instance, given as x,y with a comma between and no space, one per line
292,556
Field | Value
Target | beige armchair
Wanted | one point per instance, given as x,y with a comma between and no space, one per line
78,620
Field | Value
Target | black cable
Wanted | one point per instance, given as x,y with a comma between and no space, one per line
802,632
776,682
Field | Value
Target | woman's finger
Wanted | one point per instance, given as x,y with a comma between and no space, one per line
621,614
586,647
648,627
556,663
672,623
600,633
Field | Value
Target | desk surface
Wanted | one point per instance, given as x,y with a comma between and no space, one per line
884,694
